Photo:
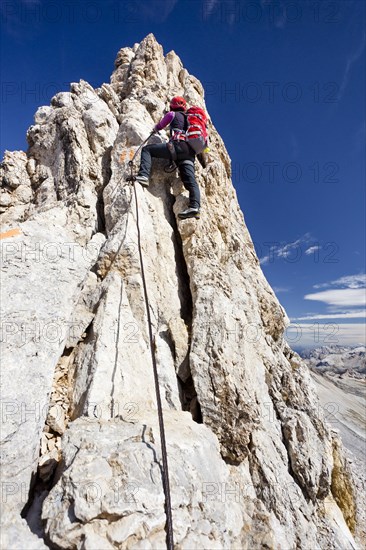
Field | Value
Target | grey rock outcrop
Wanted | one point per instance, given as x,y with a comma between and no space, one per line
252,462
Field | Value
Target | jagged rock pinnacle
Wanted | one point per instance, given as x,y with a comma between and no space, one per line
252,461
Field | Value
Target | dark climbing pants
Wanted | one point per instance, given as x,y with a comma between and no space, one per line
185,163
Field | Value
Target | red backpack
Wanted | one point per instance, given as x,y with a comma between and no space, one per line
196,134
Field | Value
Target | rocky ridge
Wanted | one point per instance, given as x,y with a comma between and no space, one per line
252,462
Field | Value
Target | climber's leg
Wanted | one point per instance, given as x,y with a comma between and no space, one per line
156,150
186,172
185,163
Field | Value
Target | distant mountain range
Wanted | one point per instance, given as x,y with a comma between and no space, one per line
337,360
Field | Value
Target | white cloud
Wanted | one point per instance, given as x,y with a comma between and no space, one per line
352,294
355,314
291,251
264,260
319,334
351,59
348,281
286,250
278,289
312,249
343,297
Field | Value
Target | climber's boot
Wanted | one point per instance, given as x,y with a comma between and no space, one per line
189,213
142,180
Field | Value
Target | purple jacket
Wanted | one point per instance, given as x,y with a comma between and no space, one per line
167,119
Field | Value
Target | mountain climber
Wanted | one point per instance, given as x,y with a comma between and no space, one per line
177,150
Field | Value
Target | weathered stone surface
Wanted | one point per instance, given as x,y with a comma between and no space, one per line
119,477
39,282
252,461
56,419
16,191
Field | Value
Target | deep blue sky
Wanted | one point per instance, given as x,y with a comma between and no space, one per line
285,87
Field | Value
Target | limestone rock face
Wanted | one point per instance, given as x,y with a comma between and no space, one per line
251,458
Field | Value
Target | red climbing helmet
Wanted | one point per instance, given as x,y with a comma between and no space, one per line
178,104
